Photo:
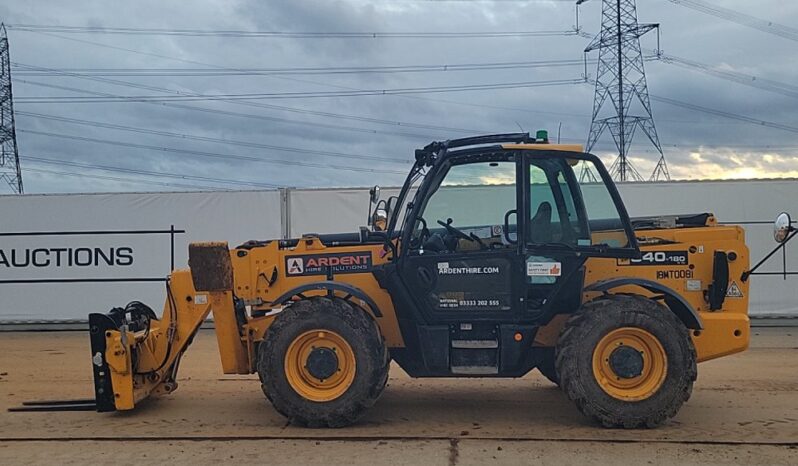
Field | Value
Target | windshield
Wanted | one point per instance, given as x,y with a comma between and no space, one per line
475,196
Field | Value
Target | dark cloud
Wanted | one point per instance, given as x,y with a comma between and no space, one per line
697,145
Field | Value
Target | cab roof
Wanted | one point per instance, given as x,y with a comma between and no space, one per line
512,141
545,146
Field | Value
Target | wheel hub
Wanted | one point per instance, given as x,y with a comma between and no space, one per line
322,363
626,362
629,364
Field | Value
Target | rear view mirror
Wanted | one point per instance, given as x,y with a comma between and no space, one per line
782,227
374,194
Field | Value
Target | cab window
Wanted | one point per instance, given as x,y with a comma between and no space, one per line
554,217
606,225
568,212
472,198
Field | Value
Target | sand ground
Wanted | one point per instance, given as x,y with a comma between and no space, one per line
744,410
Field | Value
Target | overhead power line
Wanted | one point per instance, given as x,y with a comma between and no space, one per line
300,95
99,124
231,141
337,116
194,62
320,70
482,1
285,34
720,113
277,107
250,115
733,116
213,154
119,179
741,78
136,171
381,121
742,119
742,19
334,115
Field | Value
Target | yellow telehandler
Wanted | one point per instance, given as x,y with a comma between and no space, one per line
493,260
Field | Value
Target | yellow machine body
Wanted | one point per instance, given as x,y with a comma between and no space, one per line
725,331
246,288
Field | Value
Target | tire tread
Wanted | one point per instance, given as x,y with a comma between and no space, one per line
571,344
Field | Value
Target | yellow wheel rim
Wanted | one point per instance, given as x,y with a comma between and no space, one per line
624,375
309,383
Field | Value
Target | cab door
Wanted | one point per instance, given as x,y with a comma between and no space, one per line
565,223
462,262
554,231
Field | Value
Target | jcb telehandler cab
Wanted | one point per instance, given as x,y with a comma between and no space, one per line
493,260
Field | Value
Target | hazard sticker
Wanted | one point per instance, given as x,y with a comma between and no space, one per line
734,291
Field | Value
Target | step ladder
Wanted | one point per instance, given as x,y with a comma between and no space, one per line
474,351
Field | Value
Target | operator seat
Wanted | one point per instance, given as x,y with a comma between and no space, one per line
540,225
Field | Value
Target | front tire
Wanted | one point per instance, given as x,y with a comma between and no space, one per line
323,363
626,361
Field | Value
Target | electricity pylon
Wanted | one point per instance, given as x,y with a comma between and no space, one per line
10,171
621,79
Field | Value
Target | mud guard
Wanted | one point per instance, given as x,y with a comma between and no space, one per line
328,285
675,302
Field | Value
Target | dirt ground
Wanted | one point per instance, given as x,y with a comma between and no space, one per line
744,410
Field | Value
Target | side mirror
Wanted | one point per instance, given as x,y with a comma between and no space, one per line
374,194
782,227
379,220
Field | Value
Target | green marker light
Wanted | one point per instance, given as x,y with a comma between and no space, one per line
542,134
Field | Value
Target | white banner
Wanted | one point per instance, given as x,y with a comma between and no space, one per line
33,257
64,256
240,216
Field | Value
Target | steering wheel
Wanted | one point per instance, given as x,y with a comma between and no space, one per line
454,231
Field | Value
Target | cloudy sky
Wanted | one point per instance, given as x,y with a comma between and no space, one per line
322,140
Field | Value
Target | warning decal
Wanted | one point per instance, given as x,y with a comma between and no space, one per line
734,291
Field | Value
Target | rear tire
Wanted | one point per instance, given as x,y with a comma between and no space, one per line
600,370
350,371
